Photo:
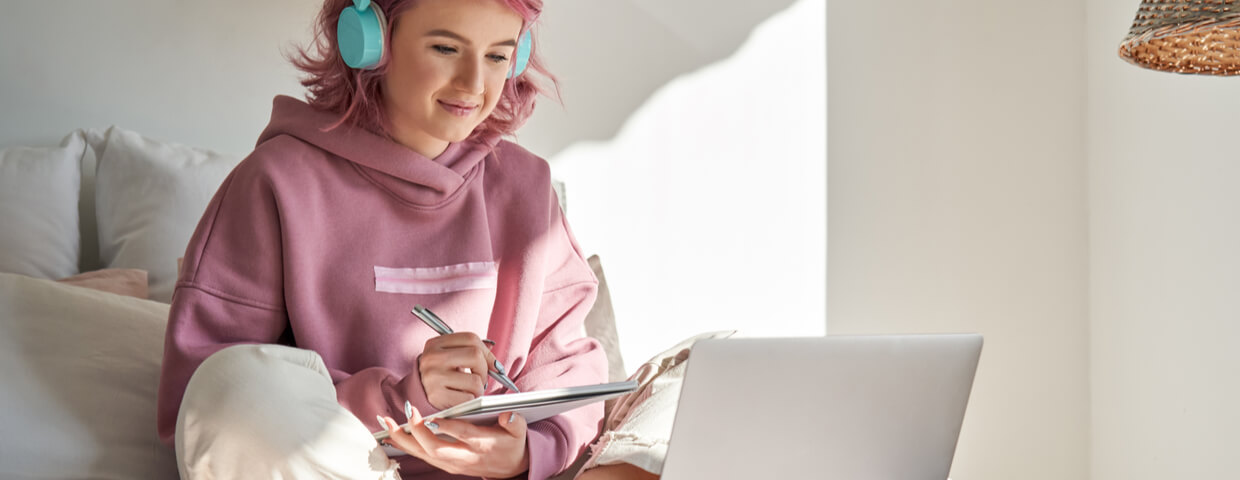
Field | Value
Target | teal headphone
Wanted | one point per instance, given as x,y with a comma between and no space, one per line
362,29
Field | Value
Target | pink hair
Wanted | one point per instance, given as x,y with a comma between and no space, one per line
357,94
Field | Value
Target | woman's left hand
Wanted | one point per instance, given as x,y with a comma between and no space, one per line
480,451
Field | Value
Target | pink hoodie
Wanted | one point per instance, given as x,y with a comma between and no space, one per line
331,238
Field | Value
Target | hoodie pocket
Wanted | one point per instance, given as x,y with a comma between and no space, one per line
431,280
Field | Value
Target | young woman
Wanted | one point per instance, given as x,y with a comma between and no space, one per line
290,336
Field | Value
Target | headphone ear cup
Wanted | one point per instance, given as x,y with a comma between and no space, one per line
522,57
360,35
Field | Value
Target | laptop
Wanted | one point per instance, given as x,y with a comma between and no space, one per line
885,407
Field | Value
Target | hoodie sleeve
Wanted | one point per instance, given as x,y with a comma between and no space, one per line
380,391
561,354
231,291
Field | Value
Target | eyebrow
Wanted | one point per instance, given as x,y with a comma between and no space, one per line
459,38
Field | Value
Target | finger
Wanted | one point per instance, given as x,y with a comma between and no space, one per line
481,361
453,357
459,429
454,340
514,424
415,416
477,383
397,437
473,358
491,362
424,433
470,383
446,398
419,442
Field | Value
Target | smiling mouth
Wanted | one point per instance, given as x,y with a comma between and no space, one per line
458,109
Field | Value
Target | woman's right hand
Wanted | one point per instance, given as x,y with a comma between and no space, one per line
454,368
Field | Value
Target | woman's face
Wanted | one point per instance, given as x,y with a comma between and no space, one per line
447,66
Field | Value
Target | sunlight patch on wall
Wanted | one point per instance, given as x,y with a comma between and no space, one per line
708,209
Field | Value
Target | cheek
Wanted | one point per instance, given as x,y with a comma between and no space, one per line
494,91
414,79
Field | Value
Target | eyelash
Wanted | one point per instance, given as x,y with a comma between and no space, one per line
446,50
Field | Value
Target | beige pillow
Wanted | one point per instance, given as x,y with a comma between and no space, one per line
79,371
130,282
601,324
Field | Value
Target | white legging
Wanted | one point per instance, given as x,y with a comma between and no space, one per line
270,412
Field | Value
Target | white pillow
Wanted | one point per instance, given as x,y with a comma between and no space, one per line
149,196
39,209
96,140
79,371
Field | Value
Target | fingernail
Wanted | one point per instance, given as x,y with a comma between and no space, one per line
511,417
382,422
408,410
499,367
488,342
432,426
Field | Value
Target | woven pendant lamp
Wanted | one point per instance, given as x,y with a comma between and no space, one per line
1185,36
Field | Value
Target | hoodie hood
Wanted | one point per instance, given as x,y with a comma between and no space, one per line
444,175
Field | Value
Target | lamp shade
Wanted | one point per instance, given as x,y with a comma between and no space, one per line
1185,36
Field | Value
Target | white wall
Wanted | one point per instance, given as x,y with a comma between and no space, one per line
1165,264
199,73
957,204
204,72
612,55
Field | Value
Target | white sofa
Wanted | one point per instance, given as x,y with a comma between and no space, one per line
111,211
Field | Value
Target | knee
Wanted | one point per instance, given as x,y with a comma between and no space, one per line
239,362
248,391
269,411
251,400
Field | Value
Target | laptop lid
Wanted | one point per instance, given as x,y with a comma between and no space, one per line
883,407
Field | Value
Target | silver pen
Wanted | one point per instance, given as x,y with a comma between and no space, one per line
438,325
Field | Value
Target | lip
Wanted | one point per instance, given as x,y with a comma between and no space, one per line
458,109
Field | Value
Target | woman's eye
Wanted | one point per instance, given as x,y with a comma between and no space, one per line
498,58
444,49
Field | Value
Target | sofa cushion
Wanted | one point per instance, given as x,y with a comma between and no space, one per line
149,196
39,208
601,324
80,371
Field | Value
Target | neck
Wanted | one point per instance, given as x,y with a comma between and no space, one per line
426,146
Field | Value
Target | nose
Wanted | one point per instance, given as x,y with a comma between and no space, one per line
469,76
